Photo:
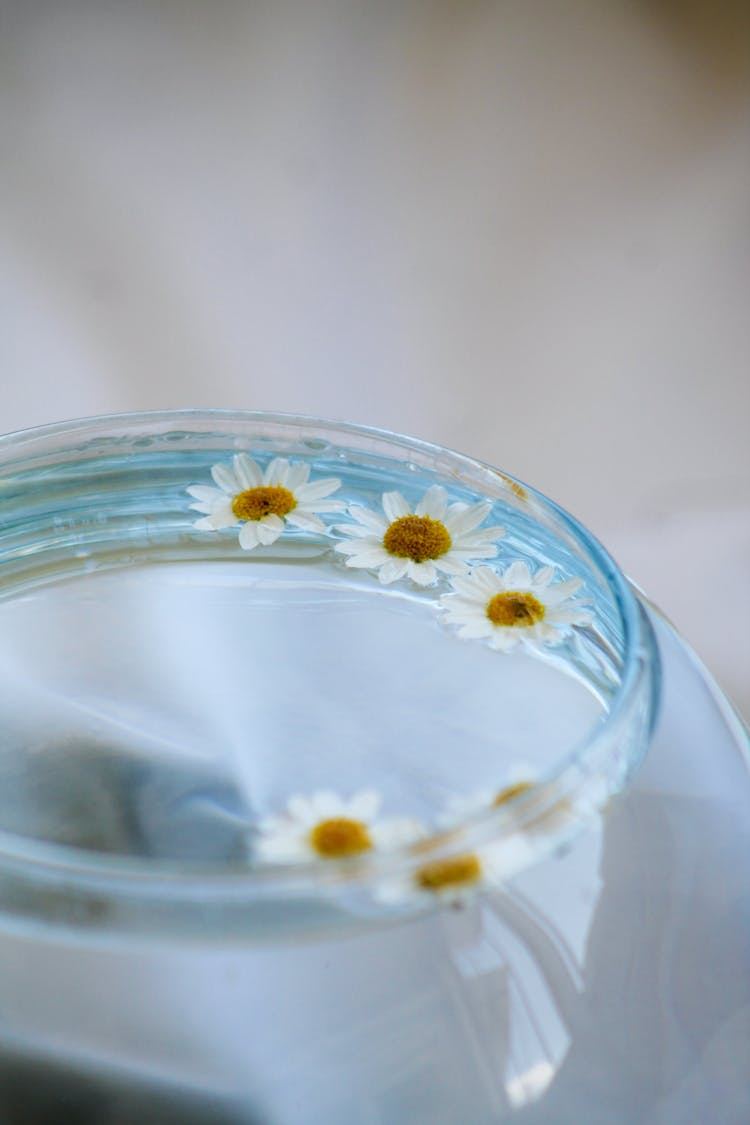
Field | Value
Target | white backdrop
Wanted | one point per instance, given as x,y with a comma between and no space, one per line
519,230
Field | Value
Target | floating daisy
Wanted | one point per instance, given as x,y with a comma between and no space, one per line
515,607
540,815
263,501
520,778
434,537
454,879
325,826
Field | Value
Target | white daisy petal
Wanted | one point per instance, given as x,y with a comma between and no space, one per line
221,516
317,489
434,503
392,570
363,562
297,477
247,471
563,590
276,472
395,506
305,520
364,516
269,529
486,581
206,494
452,565
249,536
205,524
465,587
544,576
357,531
460,607
422,573
517,574
358,547
462,518
226,479
495,531
368,556
484,537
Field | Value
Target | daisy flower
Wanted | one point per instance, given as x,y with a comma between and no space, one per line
435,537
325,826
454,879
514,607
521,780
263,501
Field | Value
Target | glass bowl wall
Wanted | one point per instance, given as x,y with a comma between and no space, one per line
166,690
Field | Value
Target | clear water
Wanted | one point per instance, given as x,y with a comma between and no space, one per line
158,710
160,688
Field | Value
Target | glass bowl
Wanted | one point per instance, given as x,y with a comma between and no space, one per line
268,676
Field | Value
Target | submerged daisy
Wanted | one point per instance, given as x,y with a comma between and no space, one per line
325,826
263,501
539,814
435,537
520,778
454,879
514,607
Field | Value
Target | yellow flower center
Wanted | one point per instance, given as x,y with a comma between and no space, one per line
515,608
512,791
266,500
445,874
339,837
417,538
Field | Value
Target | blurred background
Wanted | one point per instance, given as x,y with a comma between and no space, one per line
517,229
